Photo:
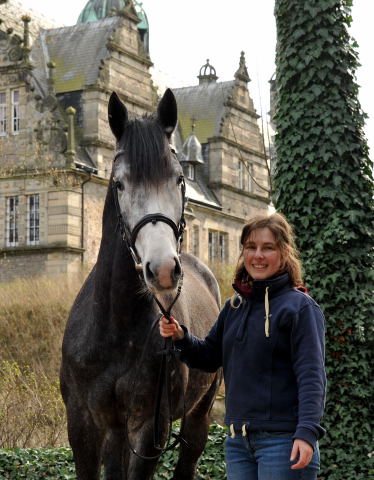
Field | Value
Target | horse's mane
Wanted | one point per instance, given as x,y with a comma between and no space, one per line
145,146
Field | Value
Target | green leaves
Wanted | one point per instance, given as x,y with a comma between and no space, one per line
36,464
57,464
324,185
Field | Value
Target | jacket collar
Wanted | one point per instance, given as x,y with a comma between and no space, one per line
255,289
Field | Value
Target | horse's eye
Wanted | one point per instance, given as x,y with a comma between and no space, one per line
118,185
180,180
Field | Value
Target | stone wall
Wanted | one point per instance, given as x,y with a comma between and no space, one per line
11,13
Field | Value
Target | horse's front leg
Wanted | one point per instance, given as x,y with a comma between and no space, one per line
195,434
144,445
115,455
85,440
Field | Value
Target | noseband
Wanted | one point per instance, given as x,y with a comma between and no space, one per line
129,236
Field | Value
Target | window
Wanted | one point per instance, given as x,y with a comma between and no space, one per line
11,222
222,246
33,220
250,177
3,113
195,240
217,245
191,171
15,111
240,175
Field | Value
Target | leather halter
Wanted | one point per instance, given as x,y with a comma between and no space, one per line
129,236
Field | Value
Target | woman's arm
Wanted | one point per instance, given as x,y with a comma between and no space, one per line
204,354
308,356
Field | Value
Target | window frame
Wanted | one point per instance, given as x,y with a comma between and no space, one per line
33,219
12,221
191,171
217,245
241,183
3,115
250,175
16,118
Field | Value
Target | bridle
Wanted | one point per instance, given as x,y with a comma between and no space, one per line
129,236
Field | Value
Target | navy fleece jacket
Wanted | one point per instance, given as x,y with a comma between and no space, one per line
274,383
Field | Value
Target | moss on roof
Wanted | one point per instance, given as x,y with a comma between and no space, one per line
206,104
77,52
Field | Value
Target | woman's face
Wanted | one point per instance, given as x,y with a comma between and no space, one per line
261,255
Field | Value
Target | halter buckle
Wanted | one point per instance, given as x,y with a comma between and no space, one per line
137,261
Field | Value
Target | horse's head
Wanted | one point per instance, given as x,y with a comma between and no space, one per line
147,180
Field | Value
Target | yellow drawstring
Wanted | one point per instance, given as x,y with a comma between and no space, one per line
232,431
267,313
244,431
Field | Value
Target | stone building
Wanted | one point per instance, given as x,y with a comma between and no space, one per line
56,147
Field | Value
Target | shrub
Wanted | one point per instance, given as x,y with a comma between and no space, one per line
56,464
33,314
42,421
224,274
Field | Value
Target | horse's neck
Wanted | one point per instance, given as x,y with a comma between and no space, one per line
116,280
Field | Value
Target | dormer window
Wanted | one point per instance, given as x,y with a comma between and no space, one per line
191,153
3,113
15,111
191,171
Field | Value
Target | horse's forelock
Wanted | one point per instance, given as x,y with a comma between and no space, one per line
146,151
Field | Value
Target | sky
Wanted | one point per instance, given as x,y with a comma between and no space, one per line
184,34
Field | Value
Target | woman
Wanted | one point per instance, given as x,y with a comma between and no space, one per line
269,339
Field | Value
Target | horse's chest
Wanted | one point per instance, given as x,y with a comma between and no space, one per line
123,389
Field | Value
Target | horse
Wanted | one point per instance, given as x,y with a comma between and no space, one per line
111,346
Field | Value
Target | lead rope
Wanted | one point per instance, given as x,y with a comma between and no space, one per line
168,353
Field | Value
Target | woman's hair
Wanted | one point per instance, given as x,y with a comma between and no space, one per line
285,241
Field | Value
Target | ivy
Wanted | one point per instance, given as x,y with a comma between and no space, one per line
324,186
58,464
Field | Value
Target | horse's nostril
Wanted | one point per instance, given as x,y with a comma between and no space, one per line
149,272
177,269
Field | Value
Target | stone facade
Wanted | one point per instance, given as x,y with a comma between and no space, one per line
56,148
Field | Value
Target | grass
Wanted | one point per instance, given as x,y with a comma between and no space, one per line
33,314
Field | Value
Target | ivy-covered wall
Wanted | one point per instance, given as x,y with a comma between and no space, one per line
324,186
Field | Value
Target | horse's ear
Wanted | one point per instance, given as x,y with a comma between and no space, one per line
117,115
167,112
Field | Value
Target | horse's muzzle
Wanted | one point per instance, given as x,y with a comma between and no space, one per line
163,275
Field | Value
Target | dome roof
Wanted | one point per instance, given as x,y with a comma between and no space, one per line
191,151
98,9
207,73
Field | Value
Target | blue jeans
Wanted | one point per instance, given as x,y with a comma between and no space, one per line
265,456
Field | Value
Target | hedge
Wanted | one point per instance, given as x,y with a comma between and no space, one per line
57,463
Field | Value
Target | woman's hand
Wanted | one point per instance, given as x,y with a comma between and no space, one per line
171,329
304,451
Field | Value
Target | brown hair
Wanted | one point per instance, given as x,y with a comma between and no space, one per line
285,240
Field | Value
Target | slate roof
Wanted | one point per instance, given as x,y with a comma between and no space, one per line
76,51
197,192
206,104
